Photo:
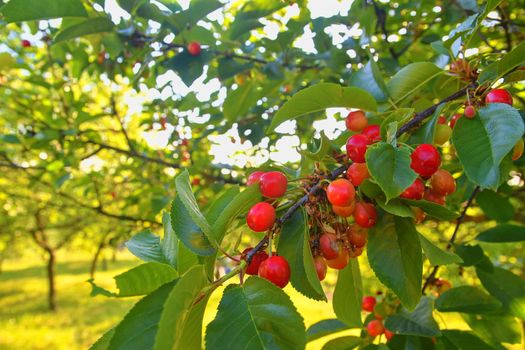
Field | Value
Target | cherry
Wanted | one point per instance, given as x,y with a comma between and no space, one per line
442,134
388,334
356,147
442,285
254,177
499,96
196,182
454,119
373,132
375,328
185,142
425,160
273,184
470,111
329,245
344,212
368,303
365,214
194,48
276,270
257,259
340,193
432,197
357,173
356,121
517,152
419,215
26,43
442,183
357,236
320,267
356,252
261,217
414,191
442,119
340,261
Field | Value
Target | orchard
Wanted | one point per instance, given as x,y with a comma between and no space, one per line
366,155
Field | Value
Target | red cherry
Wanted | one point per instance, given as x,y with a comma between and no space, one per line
442,183
344,212
276,270
273,184
517,151
419,215
454,119
340,261
375,328
432,197
261,217
356,147
185,142
414,191
442,119
357,173
425,160
320,267
388,334
373,132
356,121
196,181
368,303
26,43
341,193
365,214
499,96
329,245
194,48
257,259
357,236
470,111
254,177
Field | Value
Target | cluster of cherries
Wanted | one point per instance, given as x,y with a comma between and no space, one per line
261,218
375,326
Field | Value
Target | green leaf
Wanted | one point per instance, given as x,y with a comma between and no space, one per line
89,26
396,207
425,134
418,322
389,166
239,101
471,255
506,287
325,327
503,233
411,78
462,340
322,150
495,329
436,255
103,342
28,10
189,67
170,243
294,245
343,343
467,299
369,78
138,328
514,58
188,231
401,116
144,279
256,315
146,246
197,10
321,96
177,309
394,253
483,142
495,206
433,209
348,294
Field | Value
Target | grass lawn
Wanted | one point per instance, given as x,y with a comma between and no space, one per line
26,323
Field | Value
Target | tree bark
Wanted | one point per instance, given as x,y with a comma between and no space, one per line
51,269
93,268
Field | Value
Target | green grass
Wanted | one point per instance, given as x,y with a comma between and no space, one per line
26,322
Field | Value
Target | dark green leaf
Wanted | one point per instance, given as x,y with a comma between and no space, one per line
89,26
433,209
348,294
471,255
189,67
495,329
483,142
294,245
503,233
144,279
418,322
239,101
198,10
263,312
467,299
146,246
394,253
497,69
369,78
461,340
396,207
323,328
343,343
495,206
103,342
27,10
436,255
389,166
411,78
321,96
170,243
399,116
425,134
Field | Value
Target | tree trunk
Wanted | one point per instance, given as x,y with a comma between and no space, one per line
93,268
51,262
114,255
